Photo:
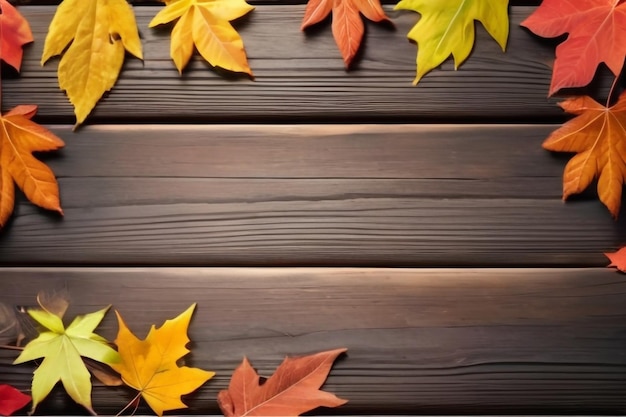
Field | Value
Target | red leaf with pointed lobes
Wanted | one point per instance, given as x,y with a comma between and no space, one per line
597,29
292,390
14,33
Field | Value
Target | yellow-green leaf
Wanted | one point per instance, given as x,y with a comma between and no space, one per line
98,32
447,27
62,349
206,24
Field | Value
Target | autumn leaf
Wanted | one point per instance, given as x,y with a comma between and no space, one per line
347,25
292,390
206,23
14,33
150,365
447,28
597,29
98,32
618,259
11,400
598,136
62,349
20,137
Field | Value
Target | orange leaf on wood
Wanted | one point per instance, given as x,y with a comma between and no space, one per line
292,390
12,400
598,136
347,25
618,259
14,33
19,138
597,29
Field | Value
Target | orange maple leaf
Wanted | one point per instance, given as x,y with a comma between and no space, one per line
14,33
292,390
347,25
18,139
597,29
150,365
598,136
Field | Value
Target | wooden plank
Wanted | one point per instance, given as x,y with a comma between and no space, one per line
300,77
419,341
341,195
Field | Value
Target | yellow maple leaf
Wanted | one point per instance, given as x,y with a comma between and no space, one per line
206,23
150,365
99,32
598,136
19,138
447,28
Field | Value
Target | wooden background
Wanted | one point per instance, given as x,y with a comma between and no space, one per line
314,208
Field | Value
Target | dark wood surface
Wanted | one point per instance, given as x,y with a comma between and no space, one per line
300,77
375,195
419,340
339,169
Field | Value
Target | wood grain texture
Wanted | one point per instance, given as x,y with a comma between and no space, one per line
420,341
229,195
300,77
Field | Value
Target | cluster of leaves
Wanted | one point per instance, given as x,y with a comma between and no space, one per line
596,30
19,136
151,366
92,38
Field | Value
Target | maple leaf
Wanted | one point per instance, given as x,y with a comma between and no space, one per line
62,349
347,25
11,400
597,29
206,23
447,28
99,32
14,33
150,365
598,136
618,259
292,390
18,139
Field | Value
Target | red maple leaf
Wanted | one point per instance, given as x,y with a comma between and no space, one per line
347,25
14,33
618,259
11,400
597,33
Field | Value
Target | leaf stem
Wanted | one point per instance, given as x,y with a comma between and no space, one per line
11,347
131,402
608,99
